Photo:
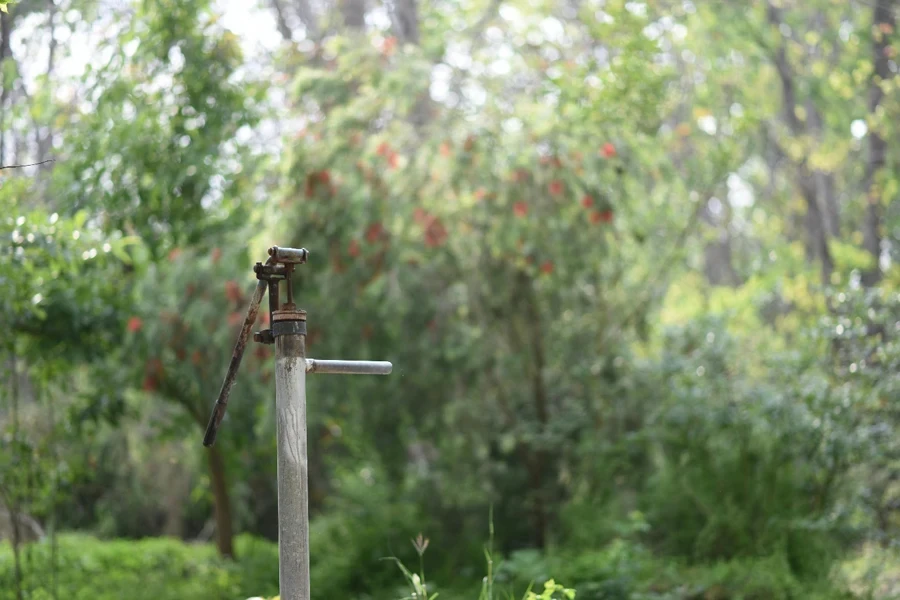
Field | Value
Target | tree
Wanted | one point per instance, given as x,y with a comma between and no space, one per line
184,327
450,226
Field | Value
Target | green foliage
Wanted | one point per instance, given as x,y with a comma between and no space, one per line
552,591
525,207
156,152
747,462
450,231
62,278
82,568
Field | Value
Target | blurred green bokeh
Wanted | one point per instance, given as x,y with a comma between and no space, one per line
635,264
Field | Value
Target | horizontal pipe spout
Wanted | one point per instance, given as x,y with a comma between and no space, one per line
349,367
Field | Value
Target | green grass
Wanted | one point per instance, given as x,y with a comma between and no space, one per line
150,569
167,569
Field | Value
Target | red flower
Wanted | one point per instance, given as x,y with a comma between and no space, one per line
374,232
552,161
150,383
389,45
383,149
605,216
353,248
216,255
587,201
135,324
445,149
608,150
174,254
547,267
314,179
520,209
556,187
233,291
394,160
435,233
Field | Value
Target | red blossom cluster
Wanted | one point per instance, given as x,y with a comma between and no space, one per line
316,179
135,324
435,232
233,291
153,371
393,159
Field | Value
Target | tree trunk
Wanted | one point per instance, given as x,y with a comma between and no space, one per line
883,23
405,17
816,224
5,53
354,14
222,502
826,190
539,459
717,264
309,20
281,21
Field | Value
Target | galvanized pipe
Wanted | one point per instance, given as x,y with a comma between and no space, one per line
289,255
349,367
293,488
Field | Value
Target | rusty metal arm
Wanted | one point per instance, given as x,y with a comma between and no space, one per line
349,367
218,412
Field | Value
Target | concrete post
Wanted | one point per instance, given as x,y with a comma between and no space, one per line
293,487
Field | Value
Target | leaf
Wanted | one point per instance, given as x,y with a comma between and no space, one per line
3,7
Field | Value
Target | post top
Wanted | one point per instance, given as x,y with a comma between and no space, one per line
289,255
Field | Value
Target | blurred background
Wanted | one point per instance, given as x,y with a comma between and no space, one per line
635,264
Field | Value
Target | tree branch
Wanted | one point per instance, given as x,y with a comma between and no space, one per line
280,21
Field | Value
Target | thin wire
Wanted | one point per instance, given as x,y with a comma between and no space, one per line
43,162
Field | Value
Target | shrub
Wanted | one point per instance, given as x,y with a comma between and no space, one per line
149,569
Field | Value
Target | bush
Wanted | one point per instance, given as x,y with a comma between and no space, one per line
149,569
625,570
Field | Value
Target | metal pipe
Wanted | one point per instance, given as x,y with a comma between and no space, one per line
349,367
289,255
293,490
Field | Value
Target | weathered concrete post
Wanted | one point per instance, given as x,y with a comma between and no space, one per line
289,331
